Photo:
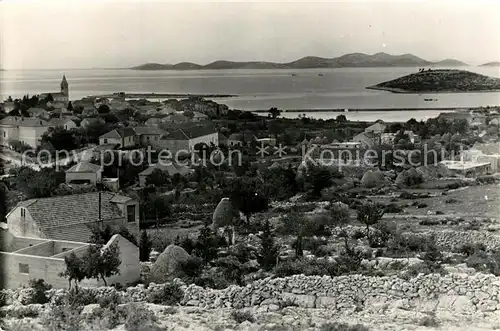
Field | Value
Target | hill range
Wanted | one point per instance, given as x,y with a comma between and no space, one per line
310,62
440,80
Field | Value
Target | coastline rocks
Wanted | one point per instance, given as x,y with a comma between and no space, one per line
168,263
373,179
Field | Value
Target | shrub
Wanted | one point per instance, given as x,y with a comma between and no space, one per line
241,316
429,222
80,297
392,208
191,268
39,286
64,317
170,294
140,318
343,327
112,300
482,261
3,298
23,312
468,248
230,268
451,200
429,321
358,234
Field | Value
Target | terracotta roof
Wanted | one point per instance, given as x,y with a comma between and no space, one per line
148,130
84,167
190,132
23,121
59,121
171,168
71,210
37,111
78,233
119,133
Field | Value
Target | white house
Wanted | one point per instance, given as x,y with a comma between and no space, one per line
24,129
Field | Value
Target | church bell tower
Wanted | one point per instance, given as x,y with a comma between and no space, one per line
64,86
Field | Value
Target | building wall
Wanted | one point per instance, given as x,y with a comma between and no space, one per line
70,125
32,135
92,177
207,139
8,133
48,268
114,141
23,226
173,145
152,140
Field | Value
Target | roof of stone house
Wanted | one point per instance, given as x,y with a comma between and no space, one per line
198,114
369,135
378,126
84,167
172,169
75,232
59,121
72,210
176,118
23,121
190,132
94,120
119,133
241,136
153,120
35,111
148,130
488,148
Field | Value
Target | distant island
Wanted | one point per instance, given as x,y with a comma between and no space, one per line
441,80
491,64
312,62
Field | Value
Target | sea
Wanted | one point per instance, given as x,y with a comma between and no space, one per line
314,92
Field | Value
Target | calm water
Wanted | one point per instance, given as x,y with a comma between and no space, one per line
258,89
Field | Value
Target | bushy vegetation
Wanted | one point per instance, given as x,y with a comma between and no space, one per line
241,316
170,294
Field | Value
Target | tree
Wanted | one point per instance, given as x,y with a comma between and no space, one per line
188,114
269,251
60,138
70,106
145,246
274,112
103,109
316,179
341,118
249,196
158,178
102,262
74,270
370,214
339,217
157,207
49,98
207,244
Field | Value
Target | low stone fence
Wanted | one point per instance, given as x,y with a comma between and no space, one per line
447,239
425,293
459,293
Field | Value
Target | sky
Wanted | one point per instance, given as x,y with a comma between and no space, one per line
52,34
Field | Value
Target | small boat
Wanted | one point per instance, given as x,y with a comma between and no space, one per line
431,99
294,74
320,74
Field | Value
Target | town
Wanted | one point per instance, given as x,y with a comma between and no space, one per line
140,209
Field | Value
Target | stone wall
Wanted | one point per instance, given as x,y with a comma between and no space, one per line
458,293
448,239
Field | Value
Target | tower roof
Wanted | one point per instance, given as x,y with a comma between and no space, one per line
64,81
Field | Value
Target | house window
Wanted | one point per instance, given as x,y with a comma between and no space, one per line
23,212
4,134
131,213
24,268
105,140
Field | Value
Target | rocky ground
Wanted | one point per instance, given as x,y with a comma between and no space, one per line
291,318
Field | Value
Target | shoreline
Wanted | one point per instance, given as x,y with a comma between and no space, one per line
341,110
403,91
140,95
